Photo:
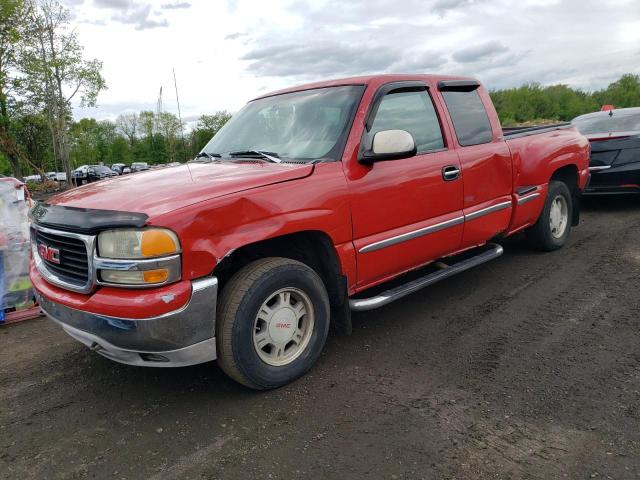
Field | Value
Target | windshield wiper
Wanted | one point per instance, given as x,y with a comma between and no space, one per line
210,157
270,156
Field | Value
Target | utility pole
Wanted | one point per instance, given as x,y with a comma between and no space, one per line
158,112
156,125
175,83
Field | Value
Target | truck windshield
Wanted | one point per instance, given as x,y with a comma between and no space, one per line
300,126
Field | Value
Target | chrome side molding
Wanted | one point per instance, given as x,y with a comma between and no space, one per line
528,198
372,247
363,304
488,210
387,242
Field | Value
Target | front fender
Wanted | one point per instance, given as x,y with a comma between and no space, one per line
211,230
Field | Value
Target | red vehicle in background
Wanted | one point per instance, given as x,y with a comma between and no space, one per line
300,210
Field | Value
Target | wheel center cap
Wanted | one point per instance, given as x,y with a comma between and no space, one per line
282,325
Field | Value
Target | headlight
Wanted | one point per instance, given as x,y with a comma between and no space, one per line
136,244
138,258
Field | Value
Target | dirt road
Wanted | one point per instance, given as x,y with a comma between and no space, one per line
526,367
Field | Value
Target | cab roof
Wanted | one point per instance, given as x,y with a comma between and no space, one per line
374,80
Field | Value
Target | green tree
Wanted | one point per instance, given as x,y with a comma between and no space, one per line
56,73
206,127
5,165
12,32
169,131
120,151
622,93
32,134
128,124
83,142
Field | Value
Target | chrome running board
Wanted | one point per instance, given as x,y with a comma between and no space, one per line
446,271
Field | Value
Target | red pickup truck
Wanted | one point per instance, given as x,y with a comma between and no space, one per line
310,203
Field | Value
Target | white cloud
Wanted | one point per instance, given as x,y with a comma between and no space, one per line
228,52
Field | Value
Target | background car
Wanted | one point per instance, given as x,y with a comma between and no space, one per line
80,174
99,172
120,168
33,178
57,176
139,166
614,135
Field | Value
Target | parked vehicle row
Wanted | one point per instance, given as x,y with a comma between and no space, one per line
301,209
55,176
93,173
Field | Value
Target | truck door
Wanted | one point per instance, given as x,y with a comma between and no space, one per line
485,159
406,212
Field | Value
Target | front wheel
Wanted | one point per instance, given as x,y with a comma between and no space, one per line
273,323
551,231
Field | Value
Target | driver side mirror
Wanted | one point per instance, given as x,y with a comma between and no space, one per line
387,145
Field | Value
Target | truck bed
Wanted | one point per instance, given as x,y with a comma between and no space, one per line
516,132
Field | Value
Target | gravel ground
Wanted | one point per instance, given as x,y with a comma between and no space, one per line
525,367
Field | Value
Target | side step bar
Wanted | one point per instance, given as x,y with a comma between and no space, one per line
362,304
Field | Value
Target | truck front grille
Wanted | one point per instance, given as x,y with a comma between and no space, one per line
64,257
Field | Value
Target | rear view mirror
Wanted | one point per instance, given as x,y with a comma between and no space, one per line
387,145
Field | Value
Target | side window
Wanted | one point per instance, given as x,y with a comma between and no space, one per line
469,117
414,112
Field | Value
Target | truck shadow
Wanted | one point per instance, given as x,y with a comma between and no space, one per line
206,379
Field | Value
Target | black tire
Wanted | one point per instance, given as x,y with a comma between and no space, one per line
540,236
239,304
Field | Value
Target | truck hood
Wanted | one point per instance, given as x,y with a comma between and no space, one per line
156,192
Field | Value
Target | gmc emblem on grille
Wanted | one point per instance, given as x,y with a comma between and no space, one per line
49,254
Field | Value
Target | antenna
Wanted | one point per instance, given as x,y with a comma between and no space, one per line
175,83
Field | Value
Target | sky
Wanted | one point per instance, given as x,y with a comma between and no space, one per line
226,52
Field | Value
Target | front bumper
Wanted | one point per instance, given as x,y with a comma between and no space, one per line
179,338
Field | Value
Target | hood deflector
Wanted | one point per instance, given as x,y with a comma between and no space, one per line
84,220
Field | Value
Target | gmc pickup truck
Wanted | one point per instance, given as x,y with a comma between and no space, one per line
310,203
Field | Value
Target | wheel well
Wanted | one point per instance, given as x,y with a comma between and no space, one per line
569,175
313,248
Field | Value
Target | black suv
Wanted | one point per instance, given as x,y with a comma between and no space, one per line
99,172
139,166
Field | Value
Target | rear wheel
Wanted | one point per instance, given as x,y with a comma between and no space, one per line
273,323
552,229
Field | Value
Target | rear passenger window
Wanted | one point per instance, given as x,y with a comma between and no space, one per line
469,117
412,111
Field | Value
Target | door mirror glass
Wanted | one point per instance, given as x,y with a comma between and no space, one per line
389,145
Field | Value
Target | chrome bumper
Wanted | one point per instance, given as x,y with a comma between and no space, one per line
183,337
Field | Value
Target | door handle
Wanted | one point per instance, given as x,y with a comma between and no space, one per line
450,172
